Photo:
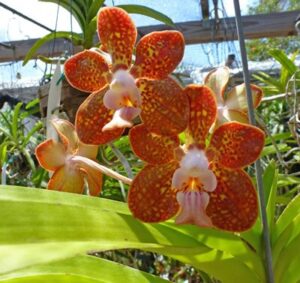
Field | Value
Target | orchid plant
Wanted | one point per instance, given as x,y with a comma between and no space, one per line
201,182
195,144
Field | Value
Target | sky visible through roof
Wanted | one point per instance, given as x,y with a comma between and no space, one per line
13,27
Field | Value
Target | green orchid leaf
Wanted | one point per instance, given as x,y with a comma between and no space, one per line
226,242
277,137
270,179
286,218
270,149
93,9
80,269
76,38
41,226
143,10
286,264
286,63
15,121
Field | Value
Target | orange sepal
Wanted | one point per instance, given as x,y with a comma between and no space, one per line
94,179
67,180
237,98
158,54
87,71
87,150
217,80
233,205
236,145
203,112
91,117
117,33
67,134
50,154
165,107
152,148
151,198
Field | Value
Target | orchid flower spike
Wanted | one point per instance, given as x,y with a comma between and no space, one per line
201,183
122,91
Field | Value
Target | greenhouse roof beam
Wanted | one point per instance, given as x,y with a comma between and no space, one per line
255,26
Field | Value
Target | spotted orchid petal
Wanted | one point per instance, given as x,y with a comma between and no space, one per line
51,155
150,147
217,81
233,205
122,118
203,112
87,71
236,145
151,198
158,54
165,108
237,98
193,209
67,179
67,134
117,33
91,117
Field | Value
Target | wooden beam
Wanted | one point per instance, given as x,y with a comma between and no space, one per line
255,26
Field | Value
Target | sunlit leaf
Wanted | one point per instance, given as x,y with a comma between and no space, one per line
80,269
74,37
39,226
146,11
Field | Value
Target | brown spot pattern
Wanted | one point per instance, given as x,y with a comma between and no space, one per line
152,148
87,71
91,117
233,206
203,112
158,54
165,108
151,198
117,33
236,145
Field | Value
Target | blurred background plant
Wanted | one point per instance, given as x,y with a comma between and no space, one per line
20,133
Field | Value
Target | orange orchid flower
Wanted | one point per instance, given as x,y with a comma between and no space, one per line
70,160
232,106
201,183
121,91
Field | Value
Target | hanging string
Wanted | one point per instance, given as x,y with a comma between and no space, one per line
262,202
71,25
54,40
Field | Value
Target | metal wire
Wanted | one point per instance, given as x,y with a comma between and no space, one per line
262,203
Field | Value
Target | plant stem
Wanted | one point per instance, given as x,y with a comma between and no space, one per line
123,160
88,163
262,203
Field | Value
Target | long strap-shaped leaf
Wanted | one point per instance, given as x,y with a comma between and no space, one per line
39,226
80,269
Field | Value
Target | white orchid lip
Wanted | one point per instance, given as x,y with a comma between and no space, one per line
193,181
122,92
125,98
